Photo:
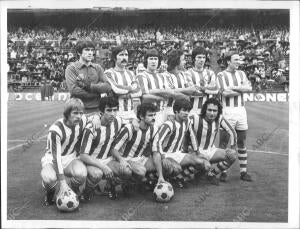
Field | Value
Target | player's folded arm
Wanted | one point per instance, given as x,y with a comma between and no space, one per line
118,89
75,90
151,98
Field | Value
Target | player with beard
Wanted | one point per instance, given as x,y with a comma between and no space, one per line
95,148
133,148
206,127
125,81
233,83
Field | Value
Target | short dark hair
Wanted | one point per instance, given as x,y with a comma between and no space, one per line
174,59
228,57
109,101
197,51
182,104
215,102
143,108
81,44
151,53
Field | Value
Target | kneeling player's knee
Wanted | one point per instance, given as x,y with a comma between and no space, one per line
176,169
125,173
95,175
48,176
230,155
140,171
80,174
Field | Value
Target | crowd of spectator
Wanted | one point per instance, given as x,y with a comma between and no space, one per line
39,56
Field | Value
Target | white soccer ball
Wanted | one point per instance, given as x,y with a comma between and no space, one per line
67,201
163,192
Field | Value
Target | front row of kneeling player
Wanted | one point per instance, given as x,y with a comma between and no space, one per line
126,153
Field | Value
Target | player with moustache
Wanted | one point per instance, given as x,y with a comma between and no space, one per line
123,79
133,148
206,128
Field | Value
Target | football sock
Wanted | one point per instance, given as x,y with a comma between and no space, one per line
75,185
242,156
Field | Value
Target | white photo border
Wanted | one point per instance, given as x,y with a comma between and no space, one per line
294,105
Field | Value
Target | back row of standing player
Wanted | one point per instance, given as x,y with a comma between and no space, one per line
87,82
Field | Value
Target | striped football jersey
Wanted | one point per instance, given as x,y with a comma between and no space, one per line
63,140
228,79
205,78
97,142
123,78
134,143
170,136
150,81
206,132
174,81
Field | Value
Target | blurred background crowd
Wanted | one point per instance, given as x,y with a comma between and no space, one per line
38,54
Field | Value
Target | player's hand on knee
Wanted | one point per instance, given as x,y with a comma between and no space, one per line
108,173
206,164
124,165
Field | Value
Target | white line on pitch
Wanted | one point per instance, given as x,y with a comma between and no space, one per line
268,152
17,146
24,140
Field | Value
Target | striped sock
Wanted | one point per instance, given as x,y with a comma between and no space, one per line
90,183
75,184
242,156
222,166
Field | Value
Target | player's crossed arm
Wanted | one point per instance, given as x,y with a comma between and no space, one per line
245,85
223,88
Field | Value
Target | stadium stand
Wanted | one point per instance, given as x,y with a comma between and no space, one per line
39,52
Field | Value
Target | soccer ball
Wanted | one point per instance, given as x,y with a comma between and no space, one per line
163,192
67,201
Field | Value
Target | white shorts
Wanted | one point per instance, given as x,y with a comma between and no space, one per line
127,116
177,156
66,160
163,116
142,159
210,152
237,117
